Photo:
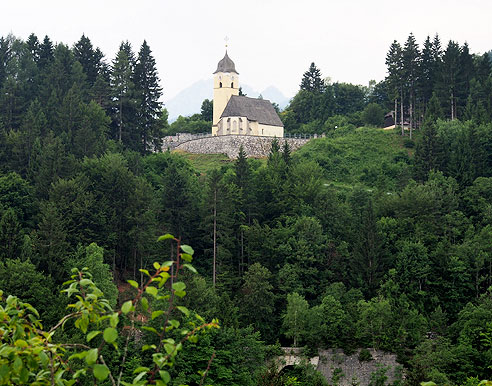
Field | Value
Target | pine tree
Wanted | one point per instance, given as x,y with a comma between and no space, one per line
33,47
34,126
89,58
123,91
10,235
427,72
394,63
411,56
148,93
45,53
466,72
447,85
311,80
286,153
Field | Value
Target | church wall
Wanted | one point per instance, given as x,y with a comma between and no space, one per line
270,131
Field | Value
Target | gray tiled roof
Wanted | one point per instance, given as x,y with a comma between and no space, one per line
260,110
226,65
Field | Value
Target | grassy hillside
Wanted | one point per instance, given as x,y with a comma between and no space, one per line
366,156
370,157
204,163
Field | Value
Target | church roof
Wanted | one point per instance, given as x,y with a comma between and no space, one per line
260,110
226,65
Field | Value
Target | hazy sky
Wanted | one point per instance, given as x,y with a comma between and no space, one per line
272,42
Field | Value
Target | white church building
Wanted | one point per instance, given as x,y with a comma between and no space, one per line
240,115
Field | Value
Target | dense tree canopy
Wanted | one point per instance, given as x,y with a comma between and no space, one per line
359,239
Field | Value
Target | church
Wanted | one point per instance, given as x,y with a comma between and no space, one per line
239,115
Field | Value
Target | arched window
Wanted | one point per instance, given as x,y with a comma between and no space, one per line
234,126
228,123
220,84
240,124
232,84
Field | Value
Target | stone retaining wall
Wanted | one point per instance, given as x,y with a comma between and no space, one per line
229,144
349,370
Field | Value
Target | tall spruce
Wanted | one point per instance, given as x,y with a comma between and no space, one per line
447,85
311,80
89,58
394,63
148,93
123,91
411,57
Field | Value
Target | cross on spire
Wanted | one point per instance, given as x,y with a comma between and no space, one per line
226,39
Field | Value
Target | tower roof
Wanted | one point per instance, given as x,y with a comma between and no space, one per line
226,65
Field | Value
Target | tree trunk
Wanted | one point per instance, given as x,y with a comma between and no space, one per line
396,112
215,236
452,106
401,114
411,116
121,120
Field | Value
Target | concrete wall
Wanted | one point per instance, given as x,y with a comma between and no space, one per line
229,145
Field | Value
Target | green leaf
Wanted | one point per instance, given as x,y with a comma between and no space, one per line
110,334
167,236
186,257
114,319
190,267
91,335
145,271
148,347
170,348
157,266
133,283
17,365
174,323
91,357
187,249
179,286
127,307
140,369
151,329
184,310
145,304
101,372
85,282
156,314
151,290
165,376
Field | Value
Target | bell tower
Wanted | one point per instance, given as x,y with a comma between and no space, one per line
226,84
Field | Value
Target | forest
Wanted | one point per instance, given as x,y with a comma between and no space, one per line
361,239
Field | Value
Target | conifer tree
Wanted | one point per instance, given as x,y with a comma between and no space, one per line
311,80
33,47
123,91
45,52
89,58
447,85
411,56
148,93
429,152
427,72
394,63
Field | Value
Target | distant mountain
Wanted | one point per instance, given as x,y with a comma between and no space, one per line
189,100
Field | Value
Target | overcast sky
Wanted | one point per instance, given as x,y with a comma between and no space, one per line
272,42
